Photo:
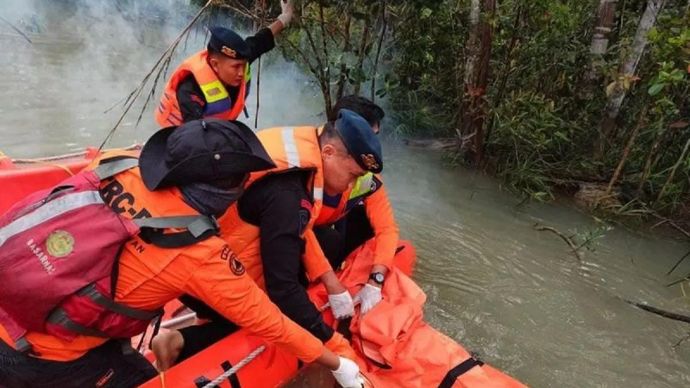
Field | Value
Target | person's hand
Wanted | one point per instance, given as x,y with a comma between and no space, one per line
341,305
287,11
369,296
347,374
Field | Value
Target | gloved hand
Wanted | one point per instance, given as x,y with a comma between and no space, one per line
369,296
347,374
287,10
341,305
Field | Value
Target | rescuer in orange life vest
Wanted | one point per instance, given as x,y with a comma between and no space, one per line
271,228
198,168
215,82
349,219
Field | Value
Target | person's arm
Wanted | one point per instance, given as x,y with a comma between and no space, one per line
264,40
278,205
234,295
315,262
191,99
380,214
283,20
238,298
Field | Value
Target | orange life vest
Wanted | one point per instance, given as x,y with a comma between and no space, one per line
292,149
218,101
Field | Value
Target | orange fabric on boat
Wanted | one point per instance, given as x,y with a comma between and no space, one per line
398,348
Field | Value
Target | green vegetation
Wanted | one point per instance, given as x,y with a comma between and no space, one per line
546,94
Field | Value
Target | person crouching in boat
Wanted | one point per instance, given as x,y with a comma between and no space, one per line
363,211
192,170
215,82
270,228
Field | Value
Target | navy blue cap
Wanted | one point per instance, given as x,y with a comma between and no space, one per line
208,150
228,42
360,140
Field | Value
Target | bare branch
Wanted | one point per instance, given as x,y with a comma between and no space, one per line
565,238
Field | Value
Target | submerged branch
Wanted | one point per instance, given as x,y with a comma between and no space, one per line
660,312
680,341
17,30
678,263
574,248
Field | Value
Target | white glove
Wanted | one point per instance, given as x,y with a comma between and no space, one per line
369,296
347,374
341,304
286,13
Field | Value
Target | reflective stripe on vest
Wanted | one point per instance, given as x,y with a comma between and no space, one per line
363,186
291,153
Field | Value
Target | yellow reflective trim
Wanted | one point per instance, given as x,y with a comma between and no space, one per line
362,185
214,91
247,73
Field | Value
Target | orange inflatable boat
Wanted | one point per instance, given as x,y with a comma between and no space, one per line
396,348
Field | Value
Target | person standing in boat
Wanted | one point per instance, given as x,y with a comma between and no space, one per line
215,82
196,169
349,219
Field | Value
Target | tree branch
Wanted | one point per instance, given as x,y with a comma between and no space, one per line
565,238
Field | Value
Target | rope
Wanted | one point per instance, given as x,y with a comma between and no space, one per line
46,163
236,368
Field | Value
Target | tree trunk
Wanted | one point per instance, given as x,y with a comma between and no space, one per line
362,53
507,70
626,74
476,77
626,151
384,27
600,40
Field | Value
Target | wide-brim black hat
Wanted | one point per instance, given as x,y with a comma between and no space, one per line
207,150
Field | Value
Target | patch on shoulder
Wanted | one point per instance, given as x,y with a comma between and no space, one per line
304,216
233,262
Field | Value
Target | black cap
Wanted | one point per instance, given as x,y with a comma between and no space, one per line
228,42
208,150
360,140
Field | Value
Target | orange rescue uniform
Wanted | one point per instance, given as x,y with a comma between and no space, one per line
291,149
150,276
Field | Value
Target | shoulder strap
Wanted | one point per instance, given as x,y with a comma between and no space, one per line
196,225
111,167
199,228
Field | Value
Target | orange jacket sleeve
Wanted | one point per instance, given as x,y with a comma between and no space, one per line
231,292
380,214
315,261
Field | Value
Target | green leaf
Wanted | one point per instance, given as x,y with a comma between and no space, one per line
655,89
